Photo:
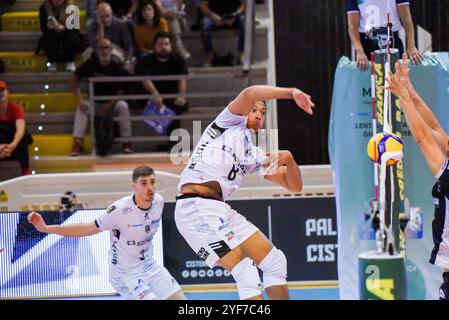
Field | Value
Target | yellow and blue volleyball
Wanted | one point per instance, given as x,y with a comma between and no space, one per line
381,143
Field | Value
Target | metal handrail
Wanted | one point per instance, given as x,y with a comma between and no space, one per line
93,98
249,31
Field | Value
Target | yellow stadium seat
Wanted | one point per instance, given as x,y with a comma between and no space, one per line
27,61
56,145
52,102
26,21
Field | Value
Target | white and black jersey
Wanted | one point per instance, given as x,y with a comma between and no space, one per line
440,223
224,154
131,233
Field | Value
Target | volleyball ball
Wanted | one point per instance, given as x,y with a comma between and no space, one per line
381,143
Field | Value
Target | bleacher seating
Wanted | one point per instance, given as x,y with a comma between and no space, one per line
51,126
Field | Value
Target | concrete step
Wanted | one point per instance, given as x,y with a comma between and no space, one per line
224,41
46,102
58,82
62,122
55,145
25,21
32,5
16,62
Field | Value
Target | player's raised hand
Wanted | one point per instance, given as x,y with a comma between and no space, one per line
37,221
397,84
303,100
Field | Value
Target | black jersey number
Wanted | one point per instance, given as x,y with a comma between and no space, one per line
233,173
142,253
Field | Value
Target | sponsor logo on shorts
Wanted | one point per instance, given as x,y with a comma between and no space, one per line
2,249
229,235
220,248
144,293
203,254
140,284
222,224
155,221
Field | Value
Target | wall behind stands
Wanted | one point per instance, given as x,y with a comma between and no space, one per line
310,38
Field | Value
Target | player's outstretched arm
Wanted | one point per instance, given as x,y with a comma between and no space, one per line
73,230
244,102
287,173
437,131
420,130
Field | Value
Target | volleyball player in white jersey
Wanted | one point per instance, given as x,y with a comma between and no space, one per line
222,157
132,221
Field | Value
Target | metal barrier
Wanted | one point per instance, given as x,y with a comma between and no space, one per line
100,189
93,98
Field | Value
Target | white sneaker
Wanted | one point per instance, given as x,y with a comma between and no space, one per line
70,66
52,66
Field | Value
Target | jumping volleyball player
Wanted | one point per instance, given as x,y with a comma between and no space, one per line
222,157
434,145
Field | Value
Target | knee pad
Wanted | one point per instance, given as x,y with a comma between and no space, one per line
274,267
247,277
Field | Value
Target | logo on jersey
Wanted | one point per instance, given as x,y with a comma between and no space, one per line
247,147
135,225
138,243
147,216
110,209
140,284
238,164
114,253
126,210
203,254
214,131
116,233
196,157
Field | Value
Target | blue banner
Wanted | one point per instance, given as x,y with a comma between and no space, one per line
349,131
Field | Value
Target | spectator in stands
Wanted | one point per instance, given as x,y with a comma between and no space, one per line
112,28
60,44
173,12
14,139
4,4
196,26
100,65
219,14
149,23
361,20
164,61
